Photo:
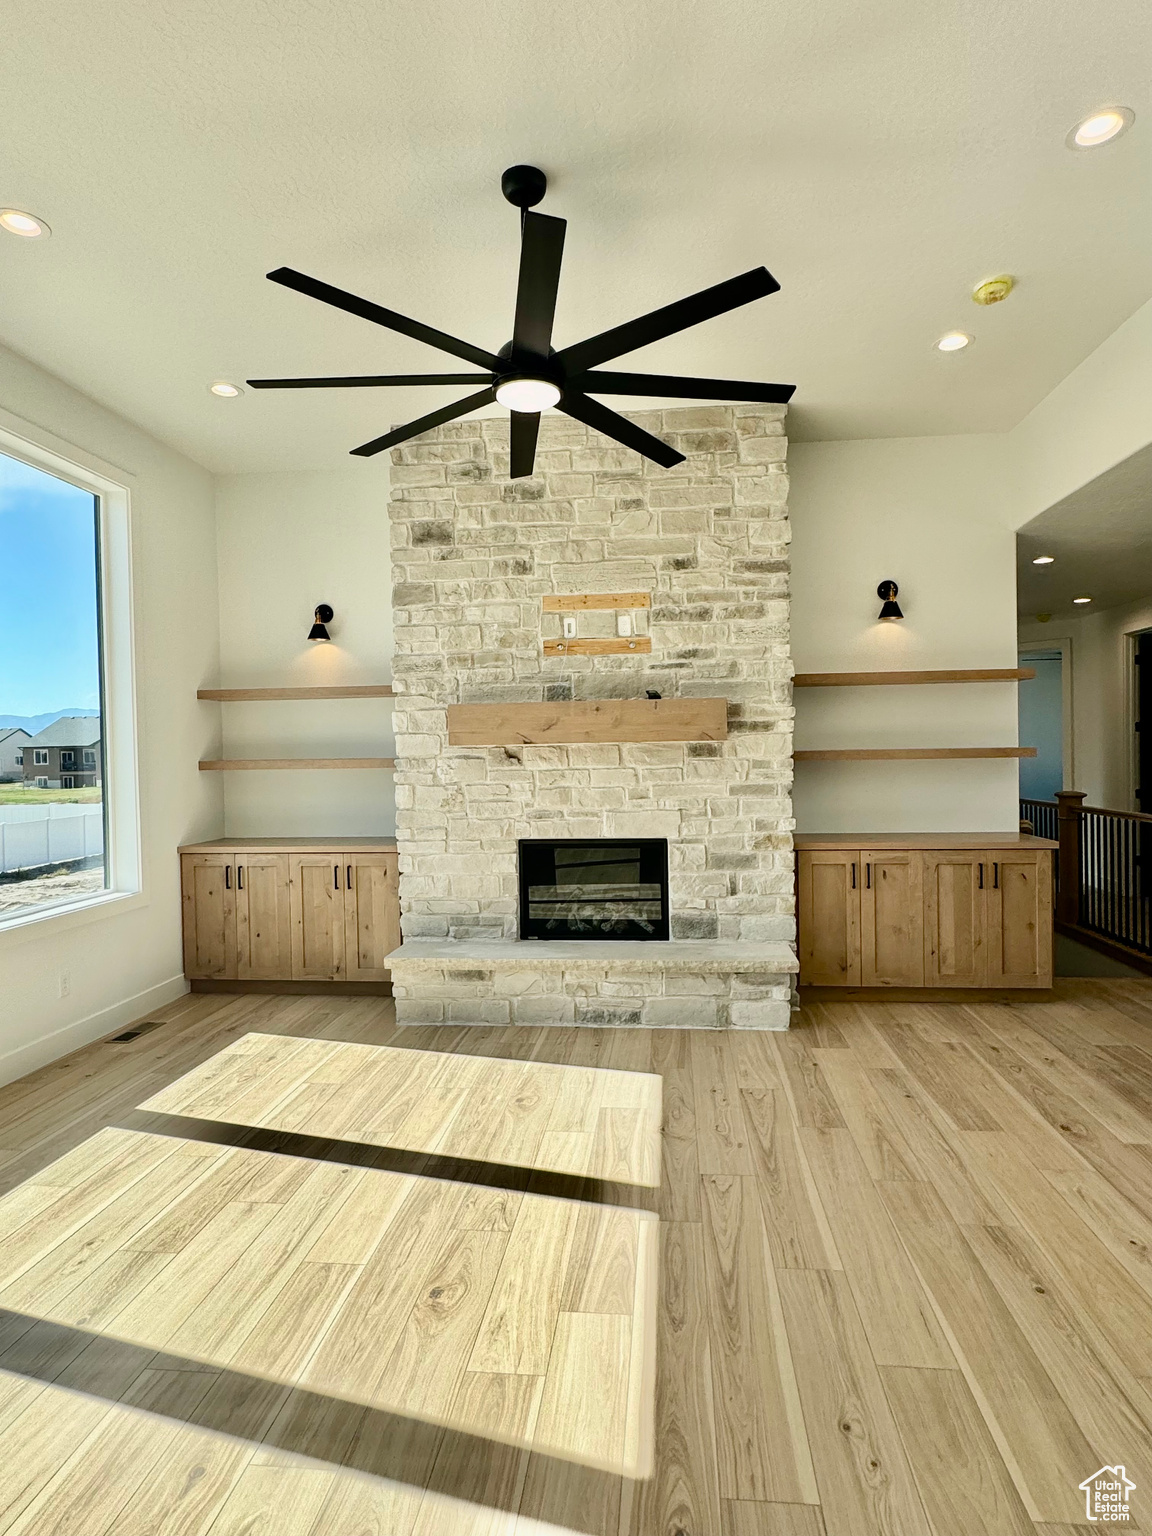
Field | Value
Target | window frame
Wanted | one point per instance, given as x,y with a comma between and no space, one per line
39,757
116,642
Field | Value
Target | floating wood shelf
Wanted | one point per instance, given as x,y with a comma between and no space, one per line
340,691
878,679
577,720
231,764
907,754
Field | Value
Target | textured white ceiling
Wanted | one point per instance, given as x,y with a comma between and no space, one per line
1101,538
880,159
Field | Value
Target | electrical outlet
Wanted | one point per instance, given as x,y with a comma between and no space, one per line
65,983
623,624
568,626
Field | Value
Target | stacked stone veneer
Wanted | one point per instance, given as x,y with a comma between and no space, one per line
473,555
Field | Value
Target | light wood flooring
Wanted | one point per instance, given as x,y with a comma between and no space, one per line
892,1275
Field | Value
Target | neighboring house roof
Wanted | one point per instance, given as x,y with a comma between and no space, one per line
71,731
14,730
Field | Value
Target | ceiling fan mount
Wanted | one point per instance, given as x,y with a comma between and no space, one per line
524,185
528,375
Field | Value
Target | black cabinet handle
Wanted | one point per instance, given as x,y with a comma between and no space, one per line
853,874
239,877
348,879
867,877
227,877
336,877
981,886
995,877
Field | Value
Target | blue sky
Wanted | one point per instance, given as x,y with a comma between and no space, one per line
48,650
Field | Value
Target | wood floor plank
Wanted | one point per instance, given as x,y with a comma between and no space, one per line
1035,1432
746,1517
897,1315
862,1471
721,1139
962,1480
812,1101
683,1493
759,1453
678,1197
880,1143
515,1335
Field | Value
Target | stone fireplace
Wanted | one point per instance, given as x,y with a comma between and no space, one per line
475,555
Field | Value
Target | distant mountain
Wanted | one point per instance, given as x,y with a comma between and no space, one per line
34,723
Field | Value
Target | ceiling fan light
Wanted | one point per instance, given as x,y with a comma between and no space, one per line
527,395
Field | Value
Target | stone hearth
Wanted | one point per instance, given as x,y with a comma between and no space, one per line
474,553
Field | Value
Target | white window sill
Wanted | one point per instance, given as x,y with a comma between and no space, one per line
67,915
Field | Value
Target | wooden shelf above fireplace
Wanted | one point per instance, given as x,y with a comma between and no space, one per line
585,720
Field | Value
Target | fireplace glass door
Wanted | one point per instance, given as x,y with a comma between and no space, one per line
594,888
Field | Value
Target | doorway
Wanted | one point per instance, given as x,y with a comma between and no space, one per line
1041,715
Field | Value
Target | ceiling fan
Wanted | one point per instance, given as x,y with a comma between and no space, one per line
527,375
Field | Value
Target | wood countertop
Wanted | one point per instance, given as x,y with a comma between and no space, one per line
293,845
806,841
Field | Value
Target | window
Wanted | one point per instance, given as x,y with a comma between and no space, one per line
51,685
89,758
19,759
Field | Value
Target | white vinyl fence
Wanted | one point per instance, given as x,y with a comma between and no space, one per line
34,835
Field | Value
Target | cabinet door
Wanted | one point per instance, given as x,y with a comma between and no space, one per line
317,916
1018,899
891,920
371,914
954,919
829,918
263,917
209,900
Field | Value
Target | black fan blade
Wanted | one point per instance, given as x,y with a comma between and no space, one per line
612,424
541,250
371,381
315,289
682,388
705,305
426,423
525,431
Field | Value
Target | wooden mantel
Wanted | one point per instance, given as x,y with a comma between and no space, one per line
580,720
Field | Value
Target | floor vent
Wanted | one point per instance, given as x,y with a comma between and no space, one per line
136,1031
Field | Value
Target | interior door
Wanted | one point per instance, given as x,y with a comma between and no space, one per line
209,899
1019,918
954,910
371,914
317,916
829,917
892,919
263,917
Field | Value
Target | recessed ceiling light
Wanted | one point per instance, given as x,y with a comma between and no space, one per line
225,390
527,395
1081,599
953,341
1043,559
1101,128
26,224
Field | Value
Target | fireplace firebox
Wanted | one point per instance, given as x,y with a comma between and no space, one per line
594,888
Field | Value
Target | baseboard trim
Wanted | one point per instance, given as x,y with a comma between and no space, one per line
926,995
71,1037
1133,957
296,988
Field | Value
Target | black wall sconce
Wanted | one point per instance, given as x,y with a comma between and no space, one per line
323,618
887,591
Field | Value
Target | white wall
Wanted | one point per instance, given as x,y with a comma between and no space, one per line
123,959
286,543
934,515
1102,708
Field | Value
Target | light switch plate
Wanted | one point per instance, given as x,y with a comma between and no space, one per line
623,624
568,626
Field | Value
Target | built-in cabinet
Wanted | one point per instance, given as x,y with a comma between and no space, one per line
318,910
924,912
